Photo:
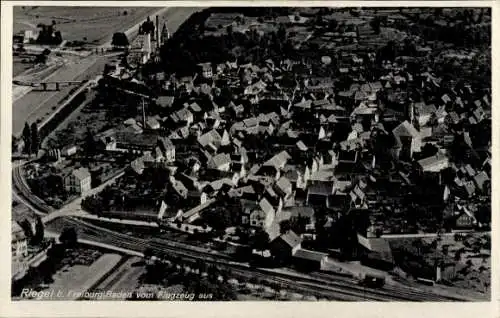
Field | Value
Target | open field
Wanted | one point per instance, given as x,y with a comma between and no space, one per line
77,23
20,211
81,277
18,67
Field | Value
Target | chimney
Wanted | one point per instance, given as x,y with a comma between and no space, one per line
157,32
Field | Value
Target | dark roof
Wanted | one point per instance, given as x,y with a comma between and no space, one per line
321,189
297,211
310,255
136,139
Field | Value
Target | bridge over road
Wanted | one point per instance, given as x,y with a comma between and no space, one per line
45,85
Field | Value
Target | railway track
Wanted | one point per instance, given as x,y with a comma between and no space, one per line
24,191
397,293
318,284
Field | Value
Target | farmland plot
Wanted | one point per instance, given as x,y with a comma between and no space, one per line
93,25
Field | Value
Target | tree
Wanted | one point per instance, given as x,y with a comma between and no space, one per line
90,144
26,226
375,24
69,237
282,32
27,138
119,39
148,252
476,249
35,141
57,37
260,240
148,27
438,12
445,249
285,226
332,25
39,231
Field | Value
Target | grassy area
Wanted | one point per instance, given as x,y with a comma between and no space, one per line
18,67
21,211
88,24
81,277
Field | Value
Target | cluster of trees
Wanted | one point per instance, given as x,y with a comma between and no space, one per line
148,27
42,57
48,34
34,237
413,257
44,272
174,272
222,217
188,46
295,224
69,237
119,39
31,139
92,204
464,29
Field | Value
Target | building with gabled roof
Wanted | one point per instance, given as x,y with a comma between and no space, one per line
377,252
434,163
221,161
284,187
167,148
279,160
78,181
262,215
408,139
285,246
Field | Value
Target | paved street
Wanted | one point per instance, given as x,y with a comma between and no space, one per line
74,207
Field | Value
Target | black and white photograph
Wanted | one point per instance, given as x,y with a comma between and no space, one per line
251,153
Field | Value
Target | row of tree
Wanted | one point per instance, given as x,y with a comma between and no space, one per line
48,34
31,139
175,271
35,237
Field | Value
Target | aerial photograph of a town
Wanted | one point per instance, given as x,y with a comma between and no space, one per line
251,153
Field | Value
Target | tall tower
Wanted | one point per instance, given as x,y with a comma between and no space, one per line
165,34
157,32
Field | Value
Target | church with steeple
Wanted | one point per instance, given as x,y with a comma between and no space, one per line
165,34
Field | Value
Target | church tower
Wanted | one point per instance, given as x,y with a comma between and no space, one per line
165,34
